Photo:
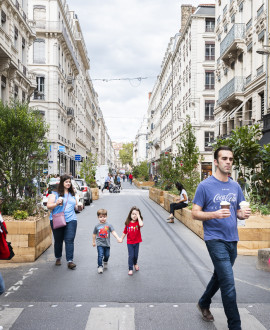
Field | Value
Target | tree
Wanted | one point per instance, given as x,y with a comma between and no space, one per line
188,159
168,171
88,170
23,148
126,154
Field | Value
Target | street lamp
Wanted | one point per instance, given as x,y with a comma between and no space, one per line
263,51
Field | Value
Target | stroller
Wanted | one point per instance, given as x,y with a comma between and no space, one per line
113,188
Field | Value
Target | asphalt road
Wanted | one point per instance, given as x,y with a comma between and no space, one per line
174,269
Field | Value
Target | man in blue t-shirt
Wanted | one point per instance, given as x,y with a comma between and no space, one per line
220,234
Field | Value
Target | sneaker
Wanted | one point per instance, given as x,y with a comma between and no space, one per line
71,265
100,270
105,264
206,314
57,263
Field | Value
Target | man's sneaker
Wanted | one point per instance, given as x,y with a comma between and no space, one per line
100,270
206,314
105,264
57,263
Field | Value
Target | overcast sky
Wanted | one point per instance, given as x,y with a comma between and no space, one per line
127,39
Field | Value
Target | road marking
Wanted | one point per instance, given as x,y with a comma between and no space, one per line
111,319
8,316
248,321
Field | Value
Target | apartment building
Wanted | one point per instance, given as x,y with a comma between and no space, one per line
16,35
64,94
185,87
241,72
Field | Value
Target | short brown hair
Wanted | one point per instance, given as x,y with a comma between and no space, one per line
101,212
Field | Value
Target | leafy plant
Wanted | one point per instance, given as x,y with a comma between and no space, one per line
20,215
88,170
23,149
140,172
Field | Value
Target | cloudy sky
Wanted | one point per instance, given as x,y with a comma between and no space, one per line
127,39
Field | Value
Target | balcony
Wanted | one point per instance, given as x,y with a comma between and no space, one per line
232,42
232,92
70,83
82,48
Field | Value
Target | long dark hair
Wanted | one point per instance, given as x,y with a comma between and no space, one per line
61,189
129,215
179,186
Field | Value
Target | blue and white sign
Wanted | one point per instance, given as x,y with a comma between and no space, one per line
62,149
78,158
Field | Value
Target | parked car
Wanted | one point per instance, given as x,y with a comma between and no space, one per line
78,193
87,192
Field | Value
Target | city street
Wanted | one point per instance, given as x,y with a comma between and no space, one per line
174,269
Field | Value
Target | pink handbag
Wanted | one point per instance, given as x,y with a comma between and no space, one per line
58,219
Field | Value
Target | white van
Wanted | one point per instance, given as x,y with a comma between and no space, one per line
101,173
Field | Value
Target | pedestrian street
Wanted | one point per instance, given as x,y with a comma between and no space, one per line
162,295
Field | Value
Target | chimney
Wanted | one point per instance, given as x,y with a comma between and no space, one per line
186,11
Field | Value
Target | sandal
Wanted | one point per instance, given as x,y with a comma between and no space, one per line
136,267
170,218
130,272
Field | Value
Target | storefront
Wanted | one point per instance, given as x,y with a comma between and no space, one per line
206,170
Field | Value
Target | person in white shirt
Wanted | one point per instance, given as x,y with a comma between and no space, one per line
181,202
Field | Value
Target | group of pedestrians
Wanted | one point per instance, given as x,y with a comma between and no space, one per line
112,180
220,231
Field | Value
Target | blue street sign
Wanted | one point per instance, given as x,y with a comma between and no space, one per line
62,148
78,158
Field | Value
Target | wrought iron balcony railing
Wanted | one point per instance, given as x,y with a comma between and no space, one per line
236,85
236,32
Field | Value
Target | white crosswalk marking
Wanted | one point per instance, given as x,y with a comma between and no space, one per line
8,316
111,319
248,321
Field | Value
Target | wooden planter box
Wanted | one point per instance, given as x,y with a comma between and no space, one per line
145,184
255,235
29,238
157,195
95,193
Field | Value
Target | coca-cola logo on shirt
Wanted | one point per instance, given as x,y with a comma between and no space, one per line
222,198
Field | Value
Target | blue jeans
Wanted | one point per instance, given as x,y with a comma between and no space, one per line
223,255
66,234
133,253
2,285
103,254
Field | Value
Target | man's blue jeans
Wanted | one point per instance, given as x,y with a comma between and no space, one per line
2,285
223,255
66,234
103,254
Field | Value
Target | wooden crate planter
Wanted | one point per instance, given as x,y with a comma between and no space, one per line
95,193
255,235
145,184
156,195
29,238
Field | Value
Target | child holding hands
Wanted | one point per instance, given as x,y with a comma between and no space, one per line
133,224
101,238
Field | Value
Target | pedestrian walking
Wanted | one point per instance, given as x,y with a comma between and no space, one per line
107,182
63,200
101,239
130,178
181,202
220,234
133,225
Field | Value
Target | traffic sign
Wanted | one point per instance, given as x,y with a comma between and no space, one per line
78,158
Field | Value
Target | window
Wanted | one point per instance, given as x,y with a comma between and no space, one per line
39,51
23,96
39,92
16,91
241,6
3,17
209,25
16,32
3,88
40,16
210,51
233,18
209,80
226,28
208,140
209,109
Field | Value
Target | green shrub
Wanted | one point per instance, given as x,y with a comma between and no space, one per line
20,215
